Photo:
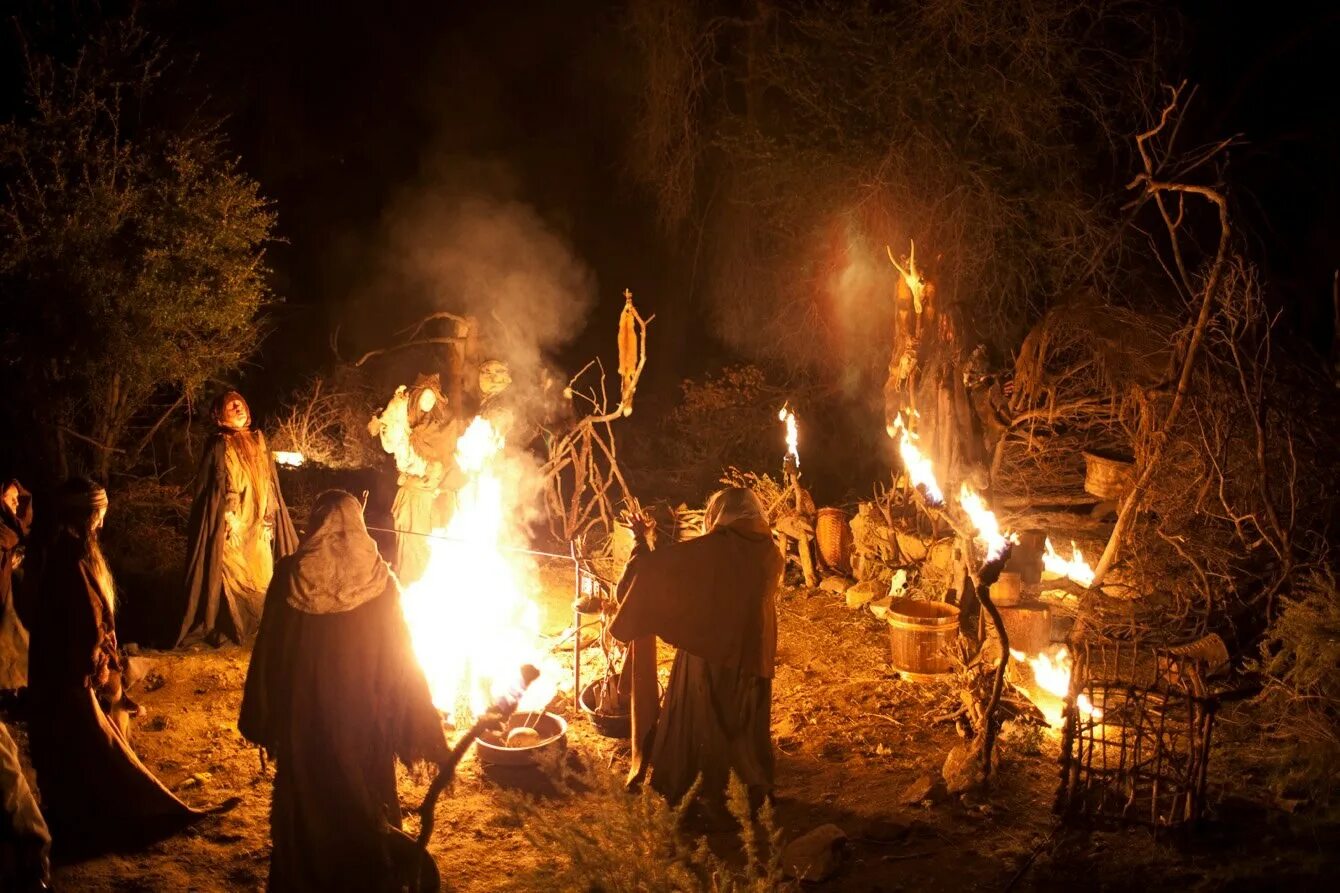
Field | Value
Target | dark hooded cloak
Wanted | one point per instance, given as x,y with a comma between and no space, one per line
95,791
335,694
713,598
211,610
13,635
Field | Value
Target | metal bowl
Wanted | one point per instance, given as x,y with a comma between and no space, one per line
553,730
611,725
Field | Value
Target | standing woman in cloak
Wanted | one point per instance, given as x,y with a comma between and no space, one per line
96,793
239,525
335,694
713,598
16,518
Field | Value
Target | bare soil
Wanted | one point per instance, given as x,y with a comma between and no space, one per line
850,736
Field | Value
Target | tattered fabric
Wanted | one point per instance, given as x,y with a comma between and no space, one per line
95,791
713,599
226,581
336,695
13,634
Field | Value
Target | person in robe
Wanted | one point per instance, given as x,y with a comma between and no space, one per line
16,515
417,428
96,793
713,598
335,694
238,526
25,841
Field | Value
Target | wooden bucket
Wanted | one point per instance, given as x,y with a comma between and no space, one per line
922,637
1107,477
1029,627
833,536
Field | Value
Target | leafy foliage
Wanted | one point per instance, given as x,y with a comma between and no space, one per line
717,424
131,254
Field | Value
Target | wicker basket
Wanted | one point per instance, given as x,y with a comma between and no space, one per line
1107,477
833,536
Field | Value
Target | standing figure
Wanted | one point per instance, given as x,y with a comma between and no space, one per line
494,380
239,525
417,428
95,792
335,694
16,517
713,598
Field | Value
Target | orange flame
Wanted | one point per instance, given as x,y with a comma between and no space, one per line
787,415
1074,567
1051,674
988,528
472,617
920,472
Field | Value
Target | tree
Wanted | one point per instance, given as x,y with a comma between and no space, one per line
788,142
132,264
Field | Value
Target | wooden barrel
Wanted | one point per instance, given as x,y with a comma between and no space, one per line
922,637
1107,477
833,536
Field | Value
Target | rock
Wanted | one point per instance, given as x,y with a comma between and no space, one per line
815,855
862,593
911,546
836,584
941,555
880,607
962,770
924,787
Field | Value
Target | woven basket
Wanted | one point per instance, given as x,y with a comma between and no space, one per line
1107,477
833,536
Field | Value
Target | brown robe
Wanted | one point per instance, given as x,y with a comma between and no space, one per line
13,634
335,694
95,791
713,599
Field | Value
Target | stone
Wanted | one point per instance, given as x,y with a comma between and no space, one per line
924,787
863,593
880,607
962,769
816,855
941,555
910,546
836,584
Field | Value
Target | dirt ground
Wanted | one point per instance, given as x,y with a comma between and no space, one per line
850,737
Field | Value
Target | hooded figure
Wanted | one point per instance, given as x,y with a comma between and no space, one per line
418,429
335,694
16,517
239,525
95,792
713,599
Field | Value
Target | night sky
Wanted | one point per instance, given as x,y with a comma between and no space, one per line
337,107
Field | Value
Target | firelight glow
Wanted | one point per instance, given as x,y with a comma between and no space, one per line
920,472
290,458
1074,568
1051,673
988,528
473,617
792,437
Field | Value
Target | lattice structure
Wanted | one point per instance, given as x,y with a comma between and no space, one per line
1136,741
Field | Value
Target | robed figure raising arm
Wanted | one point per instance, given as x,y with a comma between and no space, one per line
335,694
713,598
239,525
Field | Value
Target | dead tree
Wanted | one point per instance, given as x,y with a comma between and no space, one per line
583,483
1164,181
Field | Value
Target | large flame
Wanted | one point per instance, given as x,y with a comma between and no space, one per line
988,528
290,458
920,472
1051,675
787,415
472,616
1074,567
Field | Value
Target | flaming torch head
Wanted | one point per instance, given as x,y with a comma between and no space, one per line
792,459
